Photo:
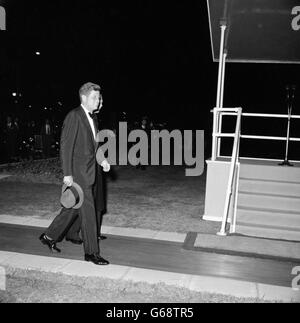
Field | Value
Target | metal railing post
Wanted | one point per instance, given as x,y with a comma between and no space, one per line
221,57
221,103
222,232
215,141
214,138
223,79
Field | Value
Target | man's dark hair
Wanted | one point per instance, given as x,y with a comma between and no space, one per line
87,88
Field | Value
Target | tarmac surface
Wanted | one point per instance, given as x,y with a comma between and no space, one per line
153,260
155,254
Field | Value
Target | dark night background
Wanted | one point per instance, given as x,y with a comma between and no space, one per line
150,57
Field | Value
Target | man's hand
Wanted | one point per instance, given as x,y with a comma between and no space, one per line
105,165
68,180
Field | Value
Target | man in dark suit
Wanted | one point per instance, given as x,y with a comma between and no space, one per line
99,197
78,157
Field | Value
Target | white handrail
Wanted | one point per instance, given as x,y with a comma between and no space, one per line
262,115
232,135
232,112
231,173
234,217
268,138
227,110
225,135
221,62
254,159
214,141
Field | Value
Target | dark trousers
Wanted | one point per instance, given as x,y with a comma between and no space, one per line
86,217
74,230
75,227
98,194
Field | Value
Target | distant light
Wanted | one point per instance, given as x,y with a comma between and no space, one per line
37,53
14,94
45,108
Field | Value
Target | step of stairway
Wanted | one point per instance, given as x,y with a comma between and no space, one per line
267,217
268,232
267,201
269,187
270,172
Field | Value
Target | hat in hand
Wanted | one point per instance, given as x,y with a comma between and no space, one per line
71,196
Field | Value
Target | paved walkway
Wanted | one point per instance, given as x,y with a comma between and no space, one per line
235,244
157,258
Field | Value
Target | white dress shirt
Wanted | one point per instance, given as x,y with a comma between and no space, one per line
91,122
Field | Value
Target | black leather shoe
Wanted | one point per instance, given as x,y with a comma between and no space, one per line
49,242
96,259
75,241
101,237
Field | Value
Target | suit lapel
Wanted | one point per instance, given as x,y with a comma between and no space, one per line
86,122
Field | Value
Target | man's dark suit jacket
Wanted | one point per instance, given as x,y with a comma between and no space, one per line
78,148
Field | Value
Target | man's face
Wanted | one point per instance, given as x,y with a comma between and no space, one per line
91,101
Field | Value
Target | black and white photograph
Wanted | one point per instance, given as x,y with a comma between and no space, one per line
150,154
